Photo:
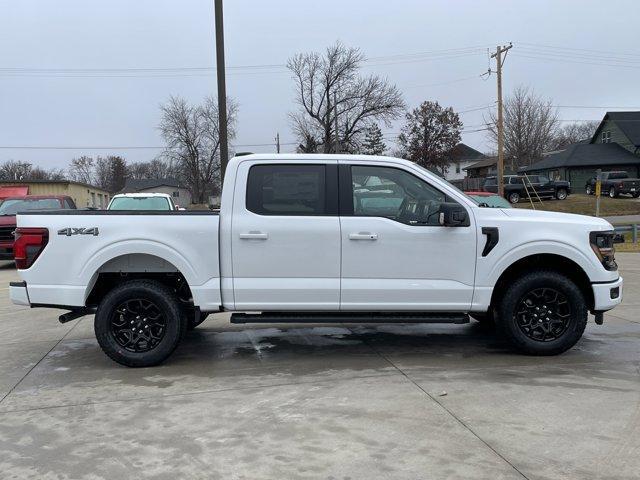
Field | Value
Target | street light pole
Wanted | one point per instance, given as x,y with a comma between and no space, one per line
222,89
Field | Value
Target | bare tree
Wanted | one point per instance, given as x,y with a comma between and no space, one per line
81,169
574,133
329,84
429,136
530,126
192,136
15,170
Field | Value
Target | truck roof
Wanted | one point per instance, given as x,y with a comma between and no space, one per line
142,195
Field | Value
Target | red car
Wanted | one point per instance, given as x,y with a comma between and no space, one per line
12,205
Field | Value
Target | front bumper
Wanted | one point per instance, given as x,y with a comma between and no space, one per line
18,293
607,295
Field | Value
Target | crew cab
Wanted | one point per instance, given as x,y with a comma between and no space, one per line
614,183
529,186
320,238
12,205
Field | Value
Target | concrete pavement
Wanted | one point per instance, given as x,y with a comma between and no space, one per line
341,402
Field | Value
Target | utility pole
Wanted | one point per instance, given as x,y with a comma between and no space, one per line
222,89
335,121
278,142
500,127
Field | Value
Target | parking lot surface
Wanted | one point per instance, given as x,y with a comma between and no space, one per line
340,402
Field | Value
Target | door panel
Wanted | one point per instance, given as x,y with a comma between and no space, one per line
404,260
287,257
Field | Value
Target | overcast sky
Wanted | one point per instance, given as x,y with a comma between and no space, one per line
150,49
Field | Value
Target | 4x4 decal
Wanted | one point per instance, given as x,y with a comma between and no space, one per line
79,231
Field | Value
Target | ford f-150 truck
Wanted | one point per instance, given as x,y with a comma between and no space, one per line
319,238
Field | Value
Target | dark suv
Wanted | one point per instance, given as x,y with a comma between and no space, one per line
523,186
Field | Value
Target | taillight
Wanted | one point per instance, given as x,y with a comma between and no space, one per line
621,185
28,245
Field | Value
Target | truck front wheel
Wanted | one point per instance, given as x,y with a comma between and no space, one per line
139,323
543,313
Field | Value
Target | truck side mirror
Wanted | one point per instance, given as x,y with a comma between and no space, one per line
453,214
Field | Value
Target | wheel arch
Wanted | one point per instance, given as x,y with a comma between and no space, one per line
130,266
545,261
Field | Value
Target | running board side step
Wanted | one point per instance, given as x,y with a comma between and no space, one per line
350,317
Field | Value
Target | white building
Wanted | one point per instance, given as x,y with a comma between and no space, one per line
462,156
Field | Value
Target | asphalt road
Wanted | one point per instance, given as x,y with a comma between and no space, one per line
341,402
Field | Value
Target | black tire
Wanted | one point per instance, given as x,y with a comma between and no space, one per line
561,194
612,192
568,316
589,190
159,312
635,195
513,197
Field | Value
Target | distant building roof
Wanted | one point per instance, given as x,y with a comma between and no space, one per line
464,152
133,185
486,162
586,155
628,122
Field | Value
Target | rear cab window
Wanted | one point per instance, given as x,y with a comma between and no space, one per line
285,189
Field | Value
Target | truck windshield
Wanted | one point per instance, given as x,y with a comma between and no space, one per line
13,206
139,203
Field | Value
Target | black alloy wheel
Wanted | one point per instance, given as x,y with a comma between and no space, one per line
543,314
138,325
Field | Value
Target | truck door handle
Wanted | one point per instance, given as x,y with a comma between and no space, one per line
363,236
254,236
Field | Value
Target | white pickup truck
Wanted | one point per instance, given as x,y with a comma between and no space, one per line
319,238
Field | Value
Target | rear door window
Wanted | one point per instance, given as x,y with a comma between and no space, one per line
287,190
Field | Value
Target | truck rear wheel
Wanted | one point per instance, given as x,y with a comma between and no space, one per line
139,323
513,197
543,313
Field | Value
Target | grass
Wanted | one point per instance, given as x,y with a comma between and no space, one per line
586,205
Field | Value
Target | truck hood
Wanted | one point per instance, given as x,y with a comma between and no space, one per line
7,220
557,217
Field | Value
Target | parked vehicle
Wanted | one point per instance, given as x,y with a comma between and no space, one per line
523,186
142,201
319,238
614,183
12,205
488,199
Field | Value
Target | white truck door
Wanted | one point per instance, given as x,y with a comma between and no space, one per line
395,255
286,236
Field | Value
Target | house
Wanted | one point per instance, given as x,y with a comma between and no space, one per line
614,146
461,157
622,128
83,195
485,167
181,195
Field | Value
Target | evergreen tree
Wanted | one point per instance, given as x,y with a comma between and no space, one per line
373,141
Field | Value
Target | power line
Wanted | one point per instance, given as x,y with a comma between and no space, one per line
555,47
129,147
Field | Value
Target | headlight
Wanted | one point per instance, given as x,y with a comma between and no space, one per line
602,244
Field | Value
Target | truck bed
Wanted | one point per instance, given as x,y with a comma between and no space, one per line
82,243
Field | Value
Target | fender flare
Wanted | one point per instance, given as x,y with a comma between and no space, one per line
88,274
542,247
